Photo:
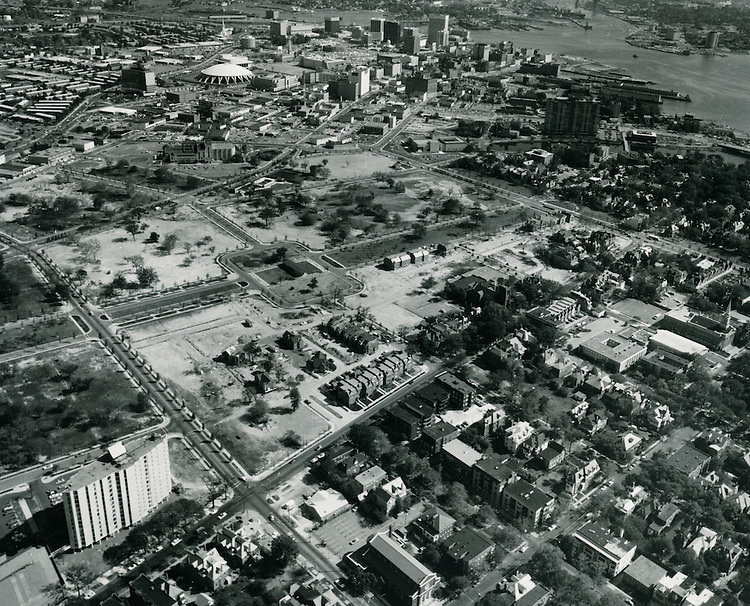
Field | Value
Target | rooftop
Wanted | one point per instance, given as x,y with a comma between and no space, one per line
675,342
126,455
687,459
23,578
400,558
528,494
467,544
463,452
612,346
598,537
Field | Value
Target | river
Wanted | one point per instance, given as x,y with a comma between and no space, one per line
718,86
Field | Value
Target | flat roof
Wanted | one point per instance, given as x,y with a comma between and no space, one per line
673,341
645,572
612,346
600,538
101,468
463,452
24,577
528,494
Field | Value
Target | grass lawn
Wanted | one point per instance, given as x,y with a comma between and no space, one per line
62,402
39,333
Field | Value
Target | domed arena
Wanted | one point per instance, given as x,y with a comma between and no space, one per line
225,73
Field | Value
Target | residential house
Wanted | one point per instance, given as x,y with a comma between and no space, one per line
728,553
704,540
387,496
408,581
211,567
517,434
680,590
553,455
368,479
311,593
594,421
526,504
579,474
594,544
434,525
534,445
237,540
346,331
630,443
291,341
658,416
145,592
663,519
233,356
523,591
468,549
491,474
635,497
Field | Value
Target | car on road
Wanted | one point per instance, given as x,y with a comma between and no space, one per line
222,515
523,548
176,541
271,517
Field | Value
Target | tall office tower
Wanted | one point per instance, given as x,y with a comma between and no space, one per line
410,40
272,14
279,28
712,40
572,116
138,79
377,30
361,75
117,490
333,25
438,30
392,32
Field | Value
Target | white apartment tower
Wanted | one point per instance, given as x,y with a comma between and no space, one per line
118,490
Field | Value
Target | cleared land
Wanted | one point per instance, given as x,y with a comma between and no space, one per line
33,298
39,332
192,258
183,350
63,402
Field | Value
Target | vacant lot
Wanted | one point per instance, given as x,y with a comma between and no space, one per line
348,166
188,471
39,332
65,401
183,350
33,295
196,243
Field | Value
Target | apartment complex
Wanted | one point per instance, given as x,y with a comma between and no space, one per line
117,490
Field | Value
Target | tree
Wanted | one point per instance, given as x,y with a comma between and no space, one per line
168,243
294,397
78,576
399,187
257,414
146,276
477,215
132,227
370,439
215,486
361,581
283,550
291,439
418,231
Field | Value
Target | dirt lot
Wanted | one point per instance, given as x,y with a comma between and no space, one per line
183,349
65,401
348,166
36,333
188,471
397,298
198,243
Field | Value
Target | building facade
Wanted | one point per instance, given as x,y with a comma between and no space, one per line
109,495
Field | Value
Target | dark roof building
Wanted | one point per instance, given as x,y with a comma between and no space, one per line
528,505
468,549
408,581
688,460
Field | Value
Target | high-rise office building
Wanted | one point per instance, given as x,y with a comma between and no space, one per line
392,32
438,30
138,79
377,24
712,40
279,28
572,116
332,25
117,490
410,39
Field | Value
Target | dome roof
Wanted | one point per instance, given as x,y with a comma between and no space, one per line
225,73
